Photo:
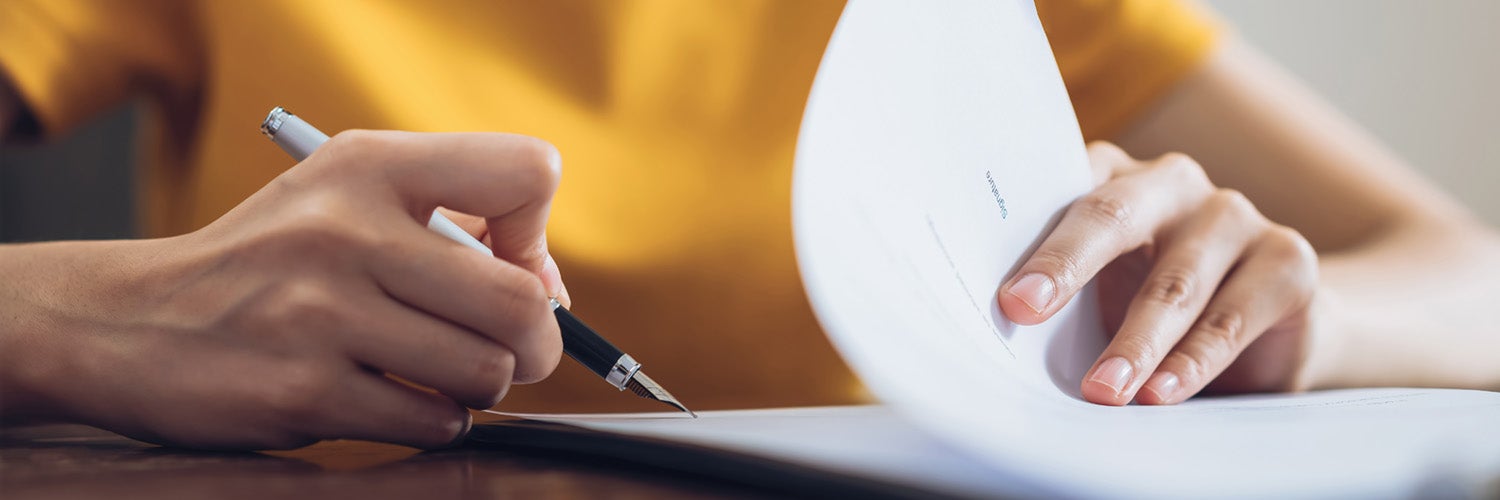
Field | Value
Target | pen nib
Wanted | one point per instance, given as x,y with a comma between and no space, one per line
644,387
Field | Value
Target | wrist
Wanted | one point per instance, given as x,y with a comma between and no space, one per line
55,302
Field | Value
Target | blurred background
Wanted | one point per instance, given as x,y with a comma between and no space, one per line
1421,75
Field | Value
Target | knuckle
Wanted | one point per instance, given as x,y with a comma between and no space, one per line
1228,322
1298,256
1288,244
1230,200
1191,366
526,325
520,293
353,153
1173,159
540,163
1108,160
342,154
1178,161
297,393
492,373
1184,167
1171,287
356,145
1059,265
1235,207
303,306
1219,332
1106,149
534,255
1107,209
548,352
1216,338
1136,347
320,227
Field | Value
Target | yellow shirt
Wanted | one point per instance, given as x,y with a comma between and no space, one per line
676,120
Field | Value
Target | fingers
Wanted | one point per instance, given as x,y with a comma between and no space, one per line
477,227
413,345
550,274
1191,263
375,408
1186,324
506,179
1107,161
502,302
1121,215
1281,263
304,400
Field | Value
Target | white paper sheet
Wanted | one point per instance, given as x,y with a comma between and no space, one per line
937,147
862,441
875,442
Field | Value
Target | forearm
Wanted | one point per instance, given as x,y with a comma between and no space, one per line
55,296
29,331
1414,308
1256,129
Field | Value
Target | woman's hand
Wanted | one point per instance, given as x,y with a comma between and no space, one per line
283,322
1199,289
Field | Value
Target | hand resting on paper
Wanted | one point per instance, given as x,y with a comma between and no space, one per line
278,324
1198,287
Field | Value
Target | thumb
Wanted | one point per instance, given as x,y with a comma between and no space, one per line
507,179
479,229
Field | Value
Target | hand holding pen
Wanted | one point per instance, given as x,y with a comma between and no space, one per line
276,325
583,344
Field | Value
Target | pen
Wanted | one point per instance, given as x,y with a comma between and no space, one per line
583,344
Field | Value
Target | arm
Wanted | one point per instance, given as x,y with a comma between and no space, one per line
286,320
1409,277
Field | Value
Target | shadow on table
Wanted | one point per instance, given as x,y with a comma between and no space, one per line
77,462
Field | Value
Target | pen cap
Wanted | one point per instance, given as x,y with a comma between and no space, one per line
296,137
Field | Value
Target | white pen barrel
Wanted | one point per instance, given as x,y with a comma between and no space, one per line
448,228
297,137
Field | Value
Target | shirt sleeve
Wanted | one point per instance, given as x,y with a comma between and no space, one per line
1118,57
71,59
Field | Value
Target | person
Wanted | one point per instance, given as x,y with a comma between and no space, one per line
1279,248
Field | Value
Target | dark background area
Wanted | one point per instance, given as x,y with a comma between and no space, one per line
78,187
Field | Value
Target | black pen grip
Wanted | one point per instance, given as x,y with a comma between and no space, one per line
584,345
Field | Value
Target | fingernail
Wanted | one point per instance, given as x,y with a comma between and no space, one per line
1113,373
1036,290
551,277
1163,385
460,429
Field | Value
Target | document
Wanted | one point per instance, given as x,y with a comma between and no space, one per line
937,149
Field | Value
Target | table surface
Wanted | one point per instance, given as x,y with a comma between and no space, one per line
70,461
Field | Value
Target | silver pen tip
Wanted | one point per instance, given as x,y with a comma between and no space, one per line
644,387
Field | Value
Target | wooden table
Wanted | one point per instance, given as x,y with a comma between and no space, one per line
69,461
